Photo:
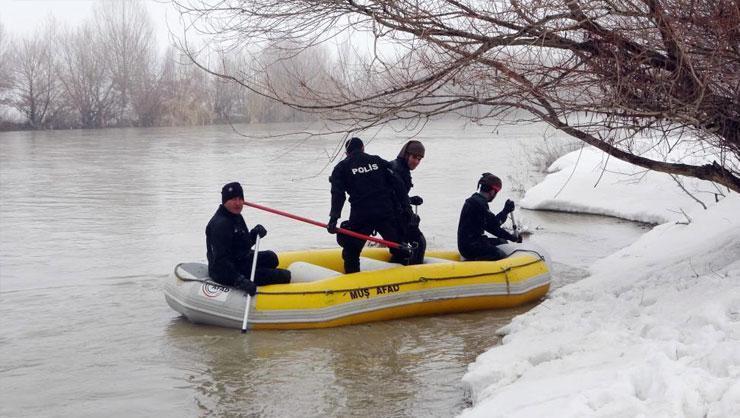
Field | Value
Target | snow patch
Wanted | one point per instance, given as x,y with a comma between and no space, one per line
653,331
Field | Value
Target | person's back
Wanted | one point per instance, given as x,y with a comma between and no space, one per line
364,178
471,227
369,182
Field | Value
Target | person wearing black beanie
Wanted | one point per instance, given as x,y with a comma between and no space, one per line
229,245
372,188
230,191
408,159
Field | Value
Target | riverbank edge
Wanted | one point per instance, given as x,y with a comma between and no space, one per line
654,328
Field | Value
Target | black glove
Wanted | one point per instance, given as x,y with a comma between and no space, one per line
416,200
509,206
332,226
519,239
246,285
259,230
405,249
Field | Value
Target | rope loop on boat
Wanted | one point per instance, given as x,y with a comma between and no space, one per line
422,279
175,271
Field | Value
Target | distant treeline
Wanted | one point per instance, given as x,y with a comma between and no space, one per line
107,72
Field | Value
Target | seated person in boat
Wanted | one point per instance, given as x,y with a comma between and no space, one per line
369,182
476,217
407,160
229,246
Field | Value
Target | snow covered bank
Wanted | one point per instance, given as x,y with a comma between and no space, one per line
654,331
589,182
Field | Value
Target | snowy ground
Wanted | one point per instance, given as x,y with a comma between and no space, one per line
654,331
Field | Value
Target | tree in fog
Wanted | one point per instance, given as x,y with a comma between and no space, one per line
5,71
185,94
147,99
86,77
278,69
127,43
227,102
623,76
34,80
273,68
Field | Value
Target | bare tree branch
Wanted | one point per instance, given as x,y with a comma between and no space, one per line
620,75
681,186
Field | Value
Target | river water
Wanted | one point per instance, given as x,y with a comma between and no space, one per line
92,223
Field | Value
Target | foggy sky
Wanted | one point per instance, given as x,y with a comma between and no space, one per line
23,17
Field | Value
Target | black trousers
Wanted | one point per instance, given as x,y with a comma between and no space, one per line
352,247
266,271
485,249
412,235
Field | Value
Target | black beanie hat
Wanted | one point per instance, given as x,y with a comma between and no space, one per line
354,144
230,191
412,147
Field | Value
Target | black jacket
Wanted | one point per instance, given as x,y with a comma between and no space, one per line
374,191
475,218
401,169
403,177
227,240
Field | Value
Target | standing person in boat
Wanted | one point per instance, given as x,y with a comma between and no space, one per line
476,217
372,188
229,247
407,160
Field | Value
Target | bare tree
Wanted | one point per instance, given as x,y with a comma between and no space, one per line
35,83
624,76
185,92
278,68
5,73
128,46
227,102
86,77
147,98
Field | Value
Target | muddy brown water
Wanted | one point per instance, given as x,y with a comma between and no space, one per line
92,222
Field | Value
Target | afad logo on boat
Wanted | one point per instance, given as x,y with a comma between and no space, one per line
215,291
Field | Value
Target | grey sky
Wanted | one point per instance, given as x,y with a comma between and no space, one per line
21,17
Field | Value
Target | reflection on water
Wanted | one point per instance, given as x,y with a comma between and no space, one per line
409,367
92,221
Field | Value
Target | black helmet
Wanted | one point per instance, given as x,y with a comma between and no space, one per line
488,181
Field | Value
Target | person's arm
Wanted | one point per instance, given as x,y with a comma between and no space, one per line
338,196
493,226
501,217
508,208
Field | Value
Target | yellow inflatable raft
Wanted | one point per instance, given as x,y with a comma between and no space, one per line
320,296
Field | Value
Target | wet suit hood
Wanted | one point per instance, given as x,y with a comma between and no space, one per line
411,147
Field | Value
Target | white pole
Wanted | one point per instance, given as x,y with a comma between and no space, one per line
251,279
513,224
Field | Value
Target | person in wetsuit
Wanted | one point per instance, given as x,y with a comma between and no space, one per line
407,160
476,218
229,247
372,188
